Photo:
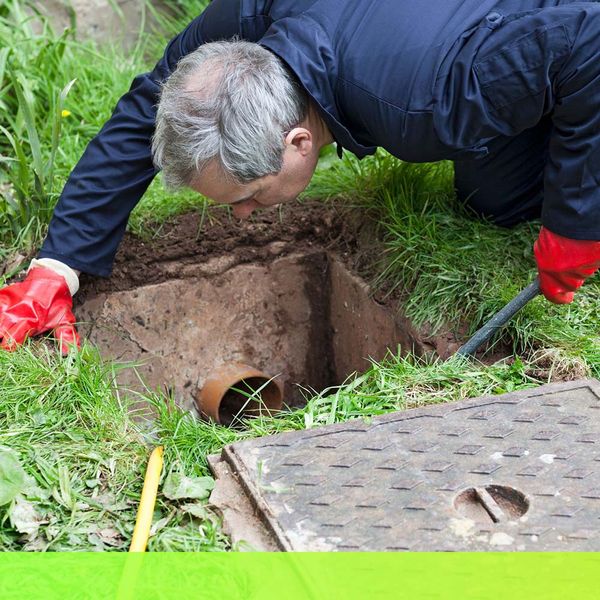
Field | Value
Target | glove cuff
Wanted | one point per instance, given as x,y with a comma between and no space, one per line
68,274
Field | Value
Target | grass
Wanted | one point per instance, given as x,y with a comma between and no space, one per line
84,456
72,448
43,74
455,269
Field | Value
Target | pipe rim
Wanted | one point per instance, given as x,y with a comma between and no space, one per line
217,402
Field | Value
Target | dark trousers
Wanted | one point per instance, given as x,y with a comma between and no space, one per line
533,86
506,186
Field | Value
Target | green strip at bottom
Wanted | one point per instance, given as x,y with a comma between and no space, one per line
290,576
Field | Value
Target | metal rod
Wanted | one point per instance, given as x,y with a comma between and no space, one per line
500,319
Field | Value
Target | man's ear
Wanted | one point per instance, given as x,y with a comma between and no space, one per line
301,138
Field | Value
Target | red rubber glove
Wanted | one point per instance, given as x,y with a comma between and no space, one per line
40,303
564,264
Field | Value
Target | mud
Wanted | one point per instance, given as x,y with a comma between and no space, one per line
195,245
276,293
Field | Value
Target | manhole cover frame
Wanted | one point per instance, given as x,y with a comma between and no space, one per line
527,533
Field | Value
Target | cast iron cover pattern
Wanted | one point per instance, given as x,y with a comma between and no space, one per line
391,483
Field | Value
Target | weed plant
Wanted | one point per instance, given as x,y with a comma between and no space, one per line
72,447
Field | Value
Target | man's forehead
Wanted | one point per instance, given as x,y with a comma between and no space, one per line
213,183
212,170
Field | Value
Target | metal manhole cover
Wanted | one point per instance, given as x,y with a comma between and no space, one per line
514,472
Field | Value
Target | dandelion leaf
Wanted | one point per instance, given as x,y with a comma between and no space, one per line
178,486
12,476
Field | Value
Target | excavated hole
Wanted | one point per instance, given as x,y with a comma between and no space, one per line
303,319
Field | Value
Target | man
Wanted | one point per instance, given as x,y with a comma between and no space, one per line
509,89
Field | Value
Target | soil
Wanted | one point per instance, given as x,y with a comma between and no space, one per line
98,19
182,244
280,292
191,240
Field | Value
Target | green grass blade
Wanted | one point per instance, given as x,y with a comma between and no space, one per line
56,130
27,107
4,52
23,179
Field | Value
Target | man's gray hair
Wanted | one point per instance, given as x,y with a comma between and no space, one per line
233,101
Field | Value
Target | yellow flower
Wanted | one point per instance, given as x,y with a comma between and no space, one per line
66,113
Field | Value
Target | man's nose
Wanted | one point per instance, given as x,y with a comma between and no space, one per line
244,210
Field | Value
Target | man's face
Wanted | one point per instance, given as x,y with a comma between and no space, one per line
299,163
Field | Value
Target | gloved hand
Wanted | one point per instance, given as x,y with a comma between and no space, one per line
564,264
40,303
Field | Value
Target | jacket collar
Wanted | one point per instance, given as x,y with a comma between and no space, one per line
305,46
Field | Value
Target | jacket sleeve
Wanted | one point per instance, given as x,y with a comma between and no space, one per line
116,168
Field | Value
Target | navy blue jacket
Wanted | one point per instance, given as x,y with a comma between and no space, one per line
384,73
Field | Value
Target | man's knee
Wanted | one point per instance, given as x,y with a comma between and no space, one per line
506,186
491,199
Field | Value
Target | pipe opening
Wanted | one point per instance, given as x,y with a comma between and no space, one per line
235,391
249,397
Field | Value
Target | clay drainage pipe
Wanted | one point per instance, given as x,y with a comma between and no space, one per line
234,391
